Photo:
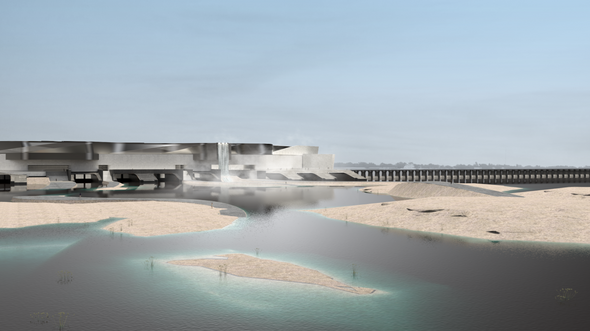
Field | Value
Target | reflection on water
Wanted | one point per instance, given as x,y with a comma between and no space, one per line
251,199
427,281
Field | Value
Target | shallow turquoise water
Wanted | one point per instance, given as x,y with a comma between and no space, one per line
424,281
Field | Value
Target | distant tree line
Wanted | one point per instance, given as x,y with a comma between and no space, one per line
411,165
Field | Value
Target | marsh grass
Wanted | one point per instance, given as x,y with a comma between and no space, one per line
149,263
565,295
354,271
62,320
257,251
222,270
39,318
65,277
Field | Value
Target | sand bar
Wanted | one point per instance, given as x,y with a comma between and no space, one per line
555,215
253,267
141,218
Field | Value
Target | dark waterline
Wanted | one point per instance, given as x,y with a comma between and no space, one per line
426,281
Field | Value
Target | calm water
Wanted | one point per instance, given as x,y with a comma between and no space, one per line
424,281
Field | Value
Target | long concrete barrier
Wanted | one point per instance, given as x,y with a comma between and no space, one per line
481,176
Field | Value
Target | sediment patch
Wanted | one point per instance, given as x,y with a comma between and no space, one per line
252,267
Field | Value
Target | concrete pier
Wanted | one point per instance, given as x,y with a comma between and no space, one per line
478,176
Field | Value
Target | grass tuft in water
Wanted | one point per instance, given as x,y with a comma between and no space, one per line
354,271
149,263
222,270
62,320
565,295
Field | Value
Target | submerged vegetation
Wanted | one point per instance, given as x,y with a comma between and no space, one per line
65,277
565,295
39,318
61,319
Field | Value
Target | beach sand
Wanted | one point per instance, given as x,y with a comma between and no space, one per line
253,267
555,215
141,218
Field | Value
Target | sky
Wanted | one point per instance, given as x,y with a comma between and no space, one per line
430,81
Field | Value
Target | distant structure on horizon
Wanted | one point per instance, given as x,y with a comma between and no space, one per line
136,162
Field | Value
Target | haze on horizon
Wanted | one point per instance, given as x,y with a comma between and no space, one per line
442,82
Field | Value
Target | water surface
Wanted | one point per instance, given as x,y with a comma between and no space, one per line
425,281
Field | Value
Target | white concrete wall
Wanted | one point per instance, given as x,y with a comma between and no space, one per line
20,165
146,161
169,161
318,161
264,162
114,161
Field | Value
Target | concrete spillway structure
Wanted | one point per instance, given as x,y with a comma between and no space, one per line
481,176
140,163
171,163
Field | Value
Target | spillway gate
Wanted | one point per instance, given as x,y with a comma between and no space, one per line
481,176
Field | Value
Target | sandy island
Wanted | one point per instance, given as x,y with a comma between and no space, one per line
252,267
554,215
141,218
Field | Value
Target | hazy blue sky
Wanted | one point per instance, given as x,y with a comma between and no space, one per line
435,81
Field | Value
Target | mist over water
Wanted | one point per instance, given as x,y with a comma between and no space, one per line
425,281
